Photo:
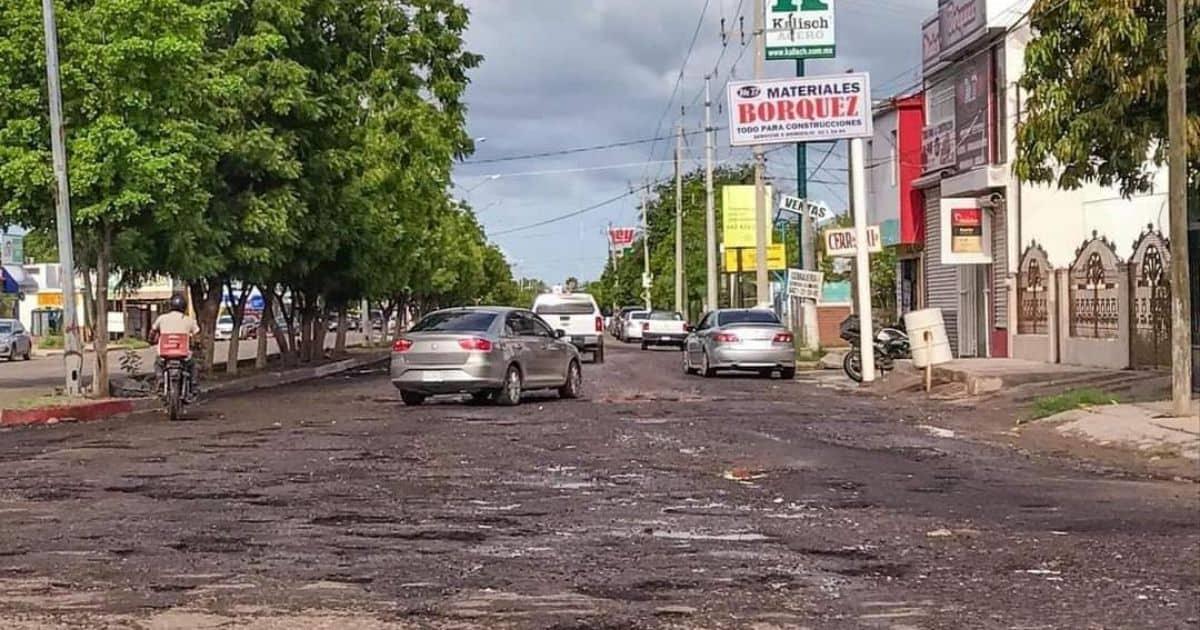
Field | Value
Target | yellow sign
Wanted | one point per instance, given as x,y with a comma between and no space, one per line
49,300
737,216
776,258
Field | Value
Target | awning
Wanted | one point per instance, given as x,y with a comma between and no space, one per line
15,280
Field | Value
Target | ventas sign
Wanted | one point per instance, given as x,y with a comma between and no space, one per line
801,109
800,29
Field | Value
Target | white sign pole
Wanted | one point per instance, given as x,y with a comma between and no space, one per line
862,269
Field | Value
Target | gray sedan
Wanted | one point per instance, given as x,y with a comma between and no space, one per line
740,339
14,340
491,353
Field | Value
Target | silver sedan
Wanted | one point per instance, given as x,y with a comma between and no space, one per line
740,339
14,340
493,354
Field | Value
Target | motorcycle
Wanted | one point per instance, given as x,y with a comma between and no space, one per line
175,385
890,344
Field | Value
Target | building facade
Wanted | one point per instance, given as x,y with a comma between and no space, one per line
896,206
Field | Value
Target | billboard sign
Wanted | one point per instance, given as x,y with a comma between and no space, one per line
931,42
966,232
621,238
737,216
815,209
776,258
960,22
12,249
937,146
972,89
800,109
841,242
800,29
806,284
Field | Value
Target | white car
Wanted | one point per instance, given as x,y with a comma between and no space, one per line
633,325
578,316
224,328
664,328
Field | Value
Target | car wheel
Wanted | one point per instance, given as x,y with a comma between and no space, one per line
706,369
510,393
412,399
788,374
598,355
687,364
574,385
645,345
28,353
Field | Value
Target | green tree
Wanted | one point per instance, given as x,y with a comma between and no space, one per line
1095,76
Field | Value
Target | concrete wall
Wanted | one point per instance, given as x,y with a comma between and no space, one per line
1036,347
883,201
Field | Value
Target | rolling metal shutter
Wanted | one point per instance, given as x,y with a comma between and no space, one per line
1000,267
941,281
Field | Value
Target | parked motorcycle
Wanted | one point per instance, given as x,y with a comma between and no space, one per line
890,344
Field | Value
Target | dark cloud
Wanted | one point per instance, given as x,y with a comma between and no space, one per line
566,74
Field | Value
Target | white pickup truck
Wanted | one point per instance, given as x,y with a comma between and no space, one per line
578,316
664,328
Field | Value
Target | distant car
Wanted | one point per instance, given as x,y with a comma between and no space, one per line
578,316
664,328
740,339
493,354
224,328
15,340
632,328
616,325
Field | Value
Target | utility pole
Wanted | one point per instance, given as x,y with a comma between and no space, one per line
761,279
1181,332
72,358
710,210
862,259
679,295
804,246
647,281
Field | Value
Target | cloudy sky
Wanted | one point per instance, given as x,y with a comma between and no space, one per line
567,74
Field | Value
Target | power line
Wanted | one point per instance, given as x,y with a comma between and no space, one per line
679,78
597,147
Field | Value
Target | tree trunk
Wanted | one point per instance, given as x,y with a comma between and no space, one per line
265,325
339,343
307,318
206,300
320,328
283,335
89,306
238,314
100,383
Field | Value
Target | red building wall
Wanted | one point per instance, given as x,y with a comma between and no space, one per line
910,112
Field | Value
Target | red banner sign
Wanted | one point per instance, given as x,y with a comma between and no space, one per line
622,237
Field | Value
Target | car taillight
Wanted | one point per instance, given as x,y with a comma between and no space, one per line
725,338
599,324
783,337
475,344
645,326
402,345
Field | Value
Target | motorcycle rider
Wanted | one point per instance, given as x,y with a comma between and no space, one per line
176,322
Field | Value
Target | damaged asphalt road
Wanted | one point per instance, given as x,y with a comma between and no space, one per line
658,501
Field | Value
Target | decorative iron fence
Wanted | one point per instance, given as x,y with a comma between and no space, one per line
1150,299
1033,281
1095,296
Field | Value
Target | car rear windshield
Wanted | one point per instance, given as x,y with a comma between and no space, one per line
566,308
456,321
748,317
666,316
639,315
6,328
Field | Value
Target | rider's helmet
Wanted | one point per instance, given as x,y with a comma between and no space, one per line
178,303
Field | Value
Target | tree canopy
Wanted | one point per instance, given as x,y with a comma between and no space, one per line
1096,105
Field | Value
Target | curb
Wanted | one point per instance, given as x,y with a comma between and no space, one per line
114,407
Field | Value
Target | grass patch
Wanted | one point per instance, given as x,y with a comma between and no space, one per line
131,343
49,400
51,342
1047,406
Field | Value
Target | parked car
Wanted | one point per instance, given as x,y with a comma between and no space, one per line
740,339
578,316
631,330
492,353
15,340
616,325
224,328
664,328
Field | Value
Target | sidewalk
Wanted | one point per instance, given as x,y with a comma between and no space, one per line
1146,427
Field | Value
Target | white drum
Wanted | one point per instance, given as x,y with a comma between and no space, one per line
937,349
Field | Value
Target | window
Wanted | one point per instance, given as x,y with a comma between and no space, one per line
940,105
660,316
574,307
895,158
748,317
639,315
527,325
539,326
706,322
456,321
6,328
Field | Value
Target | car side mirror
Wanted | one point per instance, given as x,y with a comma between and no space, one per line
689,328
560,333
